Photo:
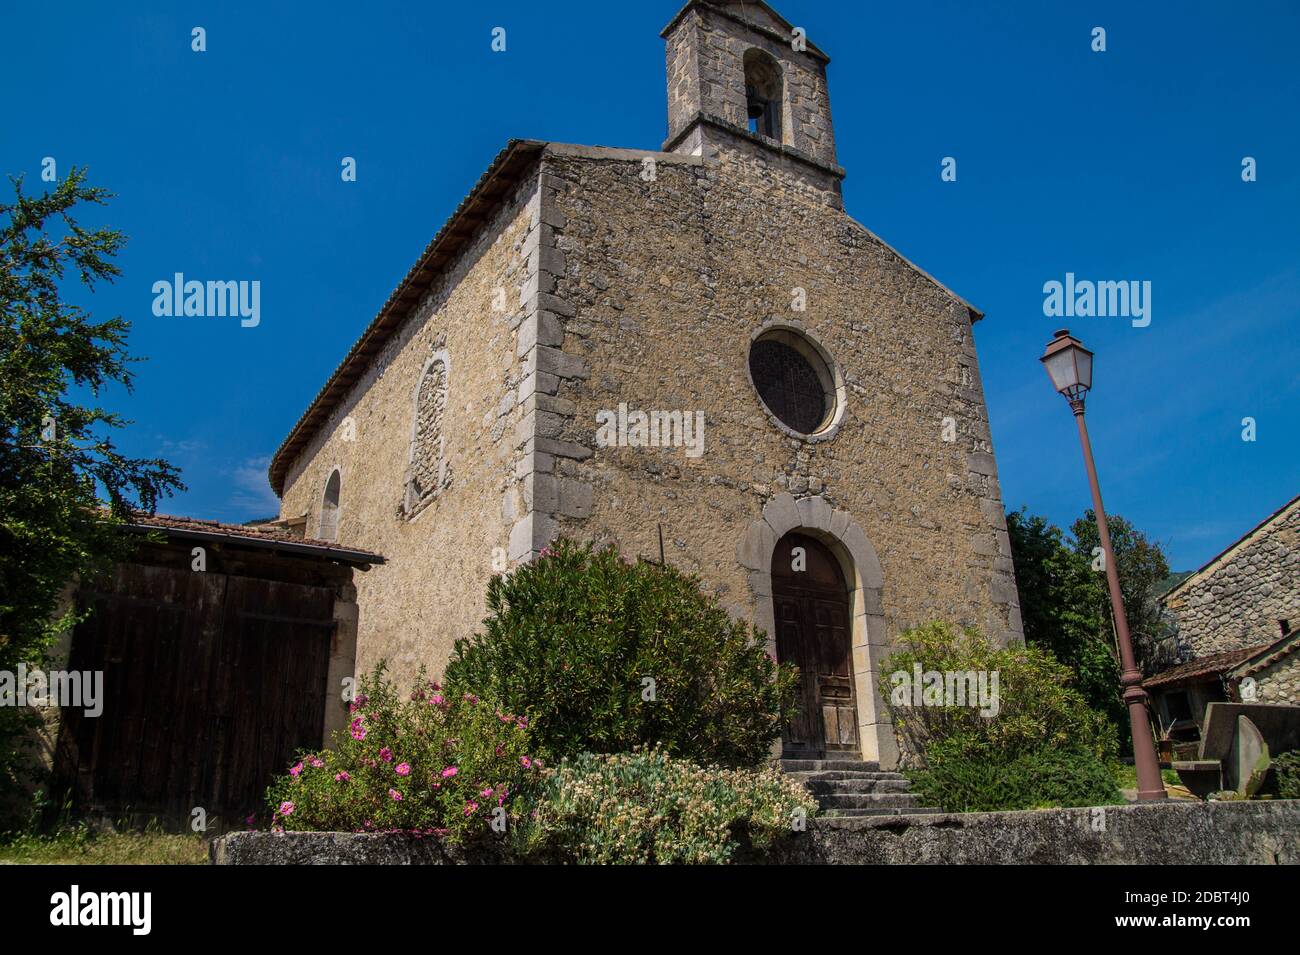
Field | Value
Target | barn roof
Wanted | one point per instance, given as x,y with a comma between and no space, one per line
265,536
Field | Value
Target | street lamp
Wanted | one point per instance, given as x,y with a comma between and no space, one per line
1069,365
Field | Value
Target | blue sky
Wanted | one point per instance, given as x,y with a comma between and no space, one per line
1117,165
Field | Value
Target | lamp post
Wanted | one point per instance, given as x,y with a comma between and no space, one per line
1069,365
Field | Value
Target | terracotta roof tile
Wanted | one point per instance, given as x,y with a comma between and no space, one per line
263,535
1210,665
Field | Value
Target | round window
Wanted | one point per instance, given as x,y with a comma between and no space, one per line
793,380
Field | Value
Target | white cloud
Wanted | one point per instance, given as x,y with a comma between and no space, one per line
252,494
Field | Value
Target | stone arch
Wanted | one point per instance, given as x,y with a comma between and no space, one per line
815,517
764,93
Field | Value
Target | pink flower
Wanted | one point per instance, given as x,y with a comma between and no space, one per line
471,698
296,770
394,795
501,750
437,700
522,724
317,762
470,808
525,762
487,792
449,771
342,777
286,808
361,699
358,730
386,754
403,769
501,796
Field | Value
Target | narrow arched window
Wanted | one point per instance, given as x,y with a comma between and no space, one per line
329,509
763,94
428,474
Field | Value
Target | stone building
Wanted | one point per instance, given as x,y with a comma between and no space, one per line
1240,617
697,342
1247,595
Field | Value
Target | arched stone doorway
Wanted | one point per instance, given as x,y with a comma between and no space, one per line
810,600
859,566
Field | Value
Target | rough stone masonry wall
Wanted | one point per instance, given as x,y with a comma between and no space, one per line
706,75
431,590
1279,681
1170,833
662,285
1238,601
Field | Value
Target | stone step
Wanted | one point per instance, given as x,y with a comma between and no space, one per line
867,800
821,786
816,765
828,775
876,811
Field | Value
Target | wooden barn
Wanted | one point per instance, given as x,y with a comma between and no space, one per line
224,649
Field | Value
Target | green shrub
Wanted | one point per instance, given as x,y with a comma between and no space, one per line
1286,770
968,775
647,807
575,638
427,762
1037,704
1038,746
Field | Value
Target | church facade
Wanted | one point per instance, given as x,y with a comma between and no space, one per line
696,346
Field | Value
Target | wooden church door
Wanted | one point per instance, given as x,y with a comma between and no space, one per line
811,602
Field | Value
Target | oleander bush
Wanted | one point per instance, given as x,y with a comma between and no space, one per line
648,807
607,655
427,762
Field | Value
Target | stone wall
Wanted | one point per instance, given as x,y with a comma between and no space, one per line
1237,600
1176,833
658,272
663,285
706,79
442,549
1278,679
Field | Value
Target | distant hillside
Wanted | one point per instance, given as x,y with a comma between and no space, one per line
1172,581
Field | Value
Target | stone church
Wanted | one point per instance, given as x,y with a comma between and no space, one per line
539,370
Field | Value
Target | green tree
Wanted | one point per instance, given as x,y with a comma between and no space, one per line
1061,613
1142,571
63,484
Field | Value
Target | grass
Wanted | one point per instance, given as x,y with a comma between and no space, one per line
1126,776
80,845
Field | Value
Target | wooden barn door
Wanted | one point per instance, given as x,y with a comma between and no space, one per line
811,603
210,684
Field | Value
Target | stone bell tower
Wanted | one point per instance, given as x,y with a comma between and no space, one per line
741,76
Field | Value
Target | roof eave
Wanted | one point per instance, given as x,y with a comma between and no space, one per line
343,555
451,238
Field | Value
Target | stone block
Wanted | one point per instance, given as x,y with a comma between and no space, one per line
755,549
